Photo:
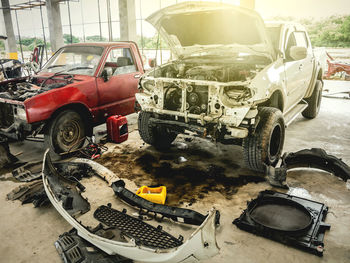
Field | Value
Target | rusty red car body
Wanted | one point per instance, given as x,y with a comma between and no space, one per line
94,97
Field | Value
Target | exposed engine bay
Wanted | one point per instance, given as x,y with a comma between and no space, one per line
234,80
210,72
23,89
18,90
10,68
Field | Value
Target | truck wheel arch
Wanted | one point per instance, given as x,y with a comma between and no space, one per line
320,74
275,101
82,110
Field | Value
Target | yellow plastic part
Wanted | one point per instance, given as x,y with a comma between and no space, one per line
12,55
153,194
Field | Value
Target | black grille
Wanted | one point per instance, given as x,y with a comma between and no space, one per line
143,233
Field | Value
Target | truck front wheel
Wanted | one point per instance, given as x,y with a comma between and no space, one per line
264,147
157,136
65,132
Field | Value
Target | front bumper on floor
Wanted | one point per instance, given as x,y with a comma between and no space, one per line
201,244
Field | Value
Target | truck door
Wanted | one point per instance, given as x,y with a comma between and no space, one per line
298,72
306,63
117,93
291,69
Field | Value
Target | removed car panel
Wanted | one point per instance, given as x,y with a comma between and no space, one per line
201,244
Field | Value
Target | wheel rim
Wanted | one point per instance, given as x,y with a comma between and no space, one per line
69,134
275,143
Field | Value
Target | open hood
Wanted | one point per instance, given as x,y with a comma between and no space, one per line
205,28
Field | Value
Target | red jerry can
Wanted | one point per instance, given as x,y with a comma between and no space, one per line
117,128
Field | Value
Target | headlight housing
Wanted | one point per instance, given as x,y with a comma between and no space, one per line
148,85
237,93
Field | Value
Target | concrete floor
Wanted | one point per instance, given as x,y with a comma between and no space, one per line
28,234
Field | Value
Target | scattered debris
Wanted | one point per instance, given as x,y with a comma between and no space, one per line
288,219
28,172
93,150
72,249
30,193
146,207
181,145
34,191
201,244
182,159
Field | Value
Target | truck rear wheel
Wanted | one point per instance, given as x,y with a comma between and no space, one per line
314,102
66,132
159,136
264,147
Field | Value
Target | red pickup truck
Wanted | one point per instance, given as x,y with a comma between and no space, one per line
76,90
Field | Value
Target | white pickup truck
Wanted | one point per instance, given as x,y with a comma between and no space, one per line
235,80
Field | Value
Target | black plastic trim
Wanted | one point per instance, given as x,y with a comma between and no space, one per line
182,215
317,158
309,239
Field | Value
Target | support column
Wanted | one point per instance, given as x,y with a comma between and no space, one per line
127,18
10,43
55,24
248,3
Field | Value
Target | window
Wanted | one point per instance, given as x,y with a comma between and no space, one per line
291,43
300,39
75,60
121,61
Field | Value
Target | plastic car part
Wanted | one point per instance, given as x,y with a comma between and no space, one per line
200,245
177,214
141,232
28,172
73,249
32,192
66,190
288,219
317,158
154,194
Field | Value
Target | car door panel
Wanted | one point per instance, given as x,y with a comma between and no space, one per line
117,94
298,72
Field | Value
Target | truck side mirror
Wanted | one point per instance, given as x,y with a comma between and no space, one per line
297,53
152,62
106,74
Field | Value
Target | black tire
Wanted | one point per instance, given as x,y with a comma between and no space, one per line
264,147
314,102
65,132
159,136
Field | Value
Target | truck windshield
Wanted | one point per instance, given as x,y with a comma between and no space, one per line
75,60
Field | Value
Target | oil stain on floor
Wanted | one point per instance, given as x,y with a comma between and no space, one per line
186,181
